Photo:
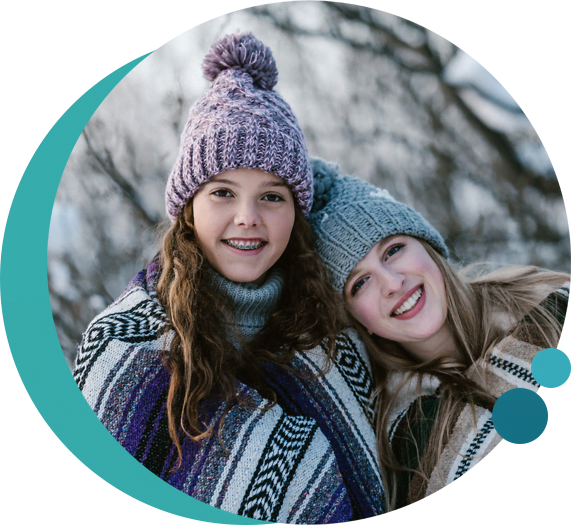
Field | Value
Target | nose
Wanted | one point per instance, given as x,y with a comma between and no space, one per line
247,214
391,281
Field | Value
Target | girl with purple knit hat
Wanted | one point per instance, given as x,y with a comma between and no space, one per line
222,368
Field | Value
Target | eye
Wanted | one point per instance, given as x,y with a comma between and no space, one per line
357,286
393,249
273,197
222,193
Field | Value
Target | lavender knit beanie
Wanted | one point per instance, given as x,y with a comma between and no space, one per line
240,122
349,216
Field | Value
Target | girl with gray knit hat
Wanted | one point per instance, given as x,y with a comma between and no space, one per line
202,369
445,344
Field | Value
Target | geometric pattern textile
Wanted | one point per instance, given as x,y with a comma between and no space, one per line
310,458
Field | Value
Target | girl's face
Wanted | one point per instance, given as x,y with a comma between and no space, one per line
397,292
243,220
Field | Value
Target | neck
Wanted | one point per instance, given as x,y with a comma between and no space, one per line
252,304
440,344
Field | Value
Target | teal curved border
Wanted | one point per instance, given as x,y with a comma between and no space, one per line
31,332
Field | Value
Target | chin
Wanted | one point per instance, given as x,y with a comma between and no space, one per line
243,277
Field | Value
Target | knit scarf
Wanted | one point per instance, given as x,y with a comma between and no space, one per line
251,304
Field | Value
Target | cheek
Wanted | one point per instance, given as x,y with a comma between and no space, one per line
282,226
285,225
363,312
208,219
200,225
440,289
205,225
198,212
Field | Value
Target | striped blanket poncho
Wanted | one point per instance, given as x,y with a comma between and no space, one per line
309,459
473,435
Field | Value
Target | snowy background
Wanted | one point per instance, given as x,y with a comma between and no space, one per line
388,100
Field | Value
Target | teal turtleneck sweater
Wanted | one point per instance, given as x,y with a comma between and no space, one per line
252,304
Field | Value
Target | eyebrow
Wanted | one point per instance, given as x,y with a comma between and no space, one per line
221,181
270,183
346,288
355,271
273,183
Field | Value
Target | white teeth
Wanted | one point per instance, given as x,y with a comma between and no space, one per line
410,302
241,245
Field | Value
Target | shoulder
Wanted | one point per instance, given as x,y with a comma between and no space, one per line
349,340
348,375
127,337
348,347
508,364
556,303
337,394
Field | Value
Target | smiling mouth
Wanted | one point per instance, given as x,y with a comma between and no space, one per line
410,303
245,245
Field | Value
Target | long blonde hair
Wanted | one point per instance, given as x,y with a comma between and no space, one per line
483,307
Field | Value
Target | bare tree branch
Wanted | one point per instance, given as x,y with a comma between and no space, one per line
108,165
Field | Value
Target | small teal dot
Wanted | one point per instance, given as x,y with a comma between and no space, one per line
551,368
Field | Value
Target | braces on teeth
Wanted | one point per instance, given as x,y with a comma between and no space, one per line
410,302
244,245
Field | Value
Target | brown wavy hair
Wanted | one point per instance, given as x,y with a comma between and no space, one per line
483,307
204,366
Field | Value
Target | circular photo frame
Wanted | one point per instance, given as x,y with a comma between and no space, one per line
37,354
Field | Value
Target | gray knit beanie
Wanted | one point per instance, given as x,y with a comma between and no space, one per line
240,122
349,216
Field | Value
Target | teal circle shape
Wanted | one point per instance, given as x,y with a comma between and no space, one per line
551,368
527,422
31,332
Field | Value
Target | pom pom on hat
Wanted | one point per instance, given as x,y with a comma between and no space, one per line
240,122
242,52
324,176
349,216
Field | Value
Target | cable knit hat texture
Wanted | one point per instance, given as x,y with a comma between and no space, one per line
240,122
349,216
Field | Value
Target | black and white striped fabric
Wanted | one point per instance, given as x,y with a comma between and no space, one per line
309,459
